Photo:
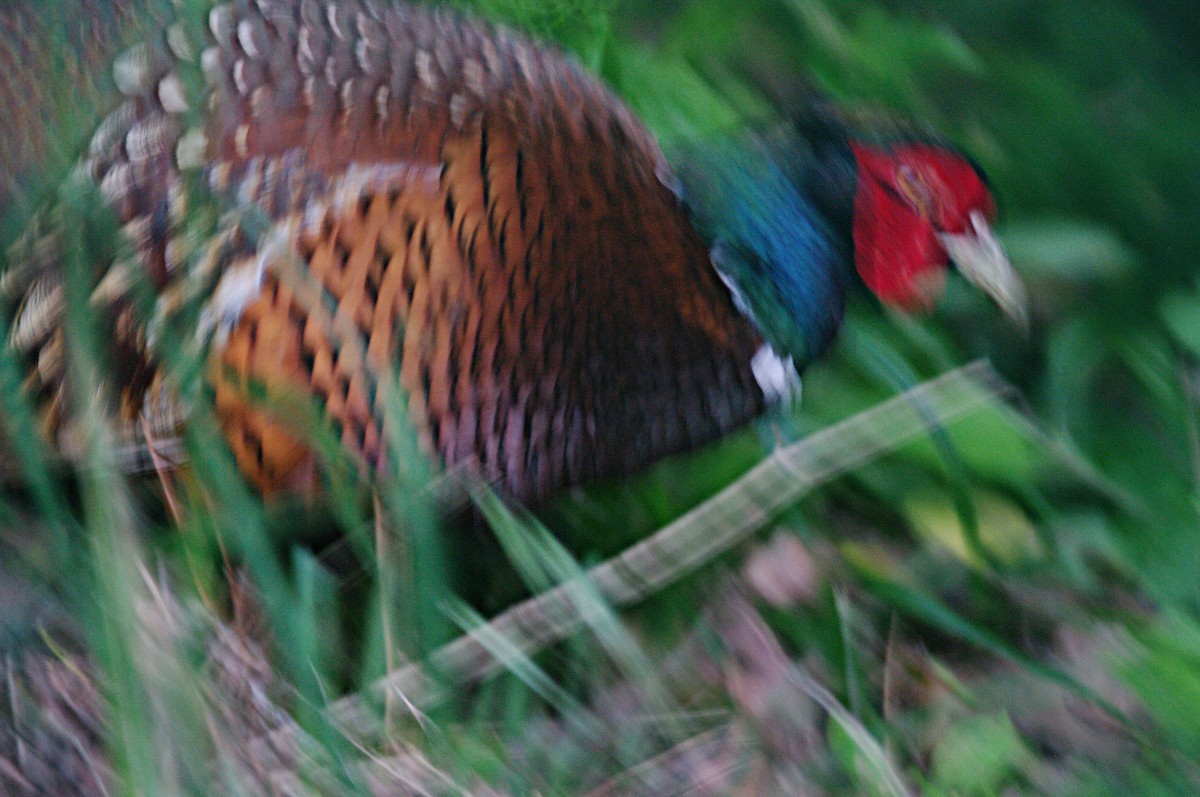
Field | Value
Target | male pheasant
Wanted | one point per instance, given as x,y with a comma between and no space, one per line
417,198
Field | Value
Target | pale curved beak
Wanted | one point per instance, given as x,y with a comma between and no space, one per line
981,259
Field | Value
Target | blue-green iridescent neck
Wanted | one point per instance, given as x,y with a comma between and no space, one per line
764,207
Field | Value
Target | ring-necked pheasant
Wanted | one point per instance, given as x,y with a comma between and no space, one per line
448,205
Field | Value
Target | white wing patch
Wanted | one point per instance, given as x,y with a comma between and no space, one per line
241,285
776,376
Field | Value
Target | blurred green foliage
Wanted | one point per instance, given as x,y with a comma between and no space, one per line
1084,117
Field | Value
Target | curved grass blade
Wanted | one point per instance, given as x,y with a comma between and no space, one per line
693,540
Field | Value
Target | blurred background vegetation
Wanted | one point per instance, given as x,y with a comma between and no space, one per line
1009,607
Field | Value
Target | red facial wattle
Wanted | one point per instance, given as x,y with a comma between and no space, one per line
908,197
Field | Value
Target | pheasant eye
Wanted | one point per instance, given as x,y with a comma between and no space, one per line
915,187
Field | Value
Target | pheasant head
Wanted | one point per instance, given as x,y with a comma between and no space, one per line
797,215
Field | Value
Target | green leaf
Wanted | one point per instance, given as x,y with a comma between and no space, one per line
1181,313
979,755
1004,530
1165,672
1071,250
